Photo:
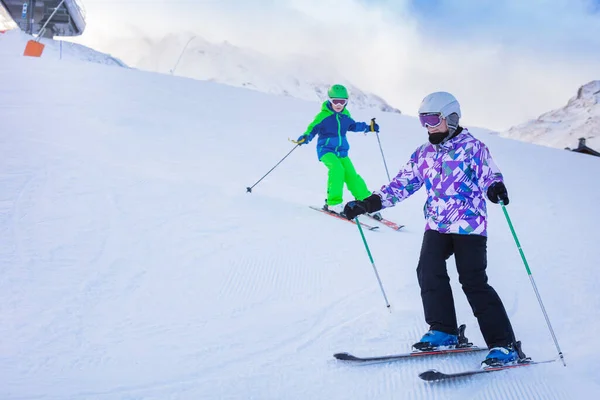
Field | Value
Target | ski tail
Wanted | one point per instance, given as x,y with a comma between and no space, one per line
336,215
390,224
433,375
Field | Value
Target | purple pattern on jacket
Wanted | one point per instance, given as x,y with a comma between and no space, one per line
456,175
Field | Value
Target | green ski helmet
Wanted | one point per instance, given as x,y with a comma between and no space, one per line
337,92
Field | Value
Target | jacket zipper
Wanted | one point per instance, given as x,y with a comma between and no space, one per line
337,118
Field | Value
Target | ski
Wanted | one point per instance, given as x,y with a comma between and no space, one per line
387,222
435,375
347,357
335,215
423,350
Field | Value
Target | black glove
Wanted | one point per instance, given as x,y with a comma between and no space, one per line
354,209
497,191
359,207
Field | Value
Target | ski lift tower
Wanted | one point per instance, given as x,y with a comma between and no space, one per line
60,17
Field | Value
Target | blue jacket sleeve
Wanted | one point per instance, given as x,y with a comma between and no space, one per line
315,127
313,133
359,127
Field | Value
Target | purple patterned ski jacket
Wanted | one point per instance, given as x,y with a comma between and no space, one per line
456,175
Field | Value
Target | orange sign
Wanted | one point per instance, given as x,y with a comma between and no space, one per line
33,49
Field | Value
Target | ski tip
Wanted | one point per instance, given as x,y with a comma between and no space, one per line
344,356
431,375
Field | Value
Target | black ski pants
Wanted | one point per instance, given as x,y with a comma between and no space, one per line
470,253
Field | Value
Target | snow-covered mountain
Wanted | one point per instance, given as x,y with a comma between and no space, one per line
13,42
195,57
563,127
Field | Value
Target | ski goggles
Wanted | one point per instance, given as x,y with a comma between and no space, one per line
338,102
430,119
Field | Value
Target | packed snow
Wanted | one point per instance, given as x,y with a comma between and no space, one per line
134,264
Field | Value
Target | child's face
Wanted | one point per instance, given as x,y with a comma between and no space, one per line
338,104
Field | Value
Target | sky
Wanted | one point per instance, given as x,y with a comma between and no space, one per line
134,264
506,62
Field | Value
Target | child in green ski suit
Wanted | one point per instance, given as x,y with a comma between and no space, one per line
331,125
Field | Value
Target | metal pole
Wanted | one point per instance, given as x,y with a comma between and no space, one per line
249,188
382,156
380,149
387,303
537,294
181,55
31,16
49,18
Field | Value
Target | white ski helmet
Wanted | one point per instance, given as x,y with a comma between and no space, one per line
440,102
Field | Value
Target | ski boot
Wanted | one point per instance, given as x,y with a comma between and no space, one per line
376,215
505,355
337,209
436,340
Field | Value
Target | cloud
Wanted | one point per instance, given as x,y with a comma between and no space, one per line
505,61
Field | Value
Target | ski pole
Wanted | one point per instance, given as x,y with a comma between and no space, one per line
512,229
249,189
387,304
380,149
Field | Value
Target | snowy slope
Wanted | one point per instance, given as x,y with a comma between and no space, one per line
13,42
194,57
563,127
134,265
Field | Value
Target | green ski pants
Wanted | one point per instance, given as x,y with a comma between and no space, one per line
342,171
